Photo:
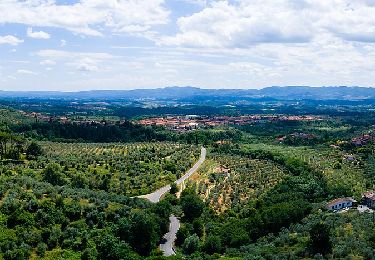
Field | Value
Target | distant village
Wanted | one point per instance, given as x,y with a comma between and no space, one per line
192,122
175,123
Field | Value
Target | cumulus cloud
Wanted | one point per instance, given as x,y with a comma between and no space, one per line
37,35
11,40
244,23
86,16
239,25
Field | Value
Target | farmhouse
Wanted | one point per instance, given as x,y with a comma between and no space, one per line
341,203
368,198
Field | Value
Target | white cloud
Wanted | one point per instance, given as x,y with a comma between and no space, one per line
86,16
80,61
243,23
28,72
20,61
9,39
86,67
240,25
198,2
57,54
47,62
86,64
62,43
37,35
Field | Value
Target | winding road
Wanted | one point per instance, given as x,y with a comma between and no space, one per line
156,195
170,237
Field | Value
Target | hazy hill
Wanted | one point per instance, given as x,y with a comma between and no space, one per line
192,93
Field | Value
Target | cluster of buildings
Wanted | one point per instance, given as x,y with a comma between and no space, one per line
174,123
358,141
363,140
297,135
368,199
39,117
177,123
191,122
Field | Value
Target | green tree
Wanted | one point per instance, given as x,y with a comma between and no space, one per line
198,227
182,234
163,209
144,232
111,248
41,249
191,244
174,188
53,174
192,206
212,245
34,150
320,239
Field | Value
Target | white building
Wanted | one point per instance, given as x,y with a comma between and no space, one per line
341,203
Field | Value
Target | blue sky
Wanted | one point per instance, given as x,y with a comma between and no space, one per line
71,45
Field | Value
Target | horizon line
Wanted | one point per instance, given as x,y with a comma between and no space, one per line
185,87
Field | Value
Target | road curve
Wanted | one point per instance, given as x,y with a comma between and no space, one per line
170,237
156,195
194,168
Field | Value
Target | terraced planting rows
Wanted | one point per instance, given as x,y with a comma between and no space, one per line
227,182
127,169
339,172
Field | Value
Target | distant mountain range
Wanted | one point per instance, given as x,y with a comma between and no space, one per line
192,93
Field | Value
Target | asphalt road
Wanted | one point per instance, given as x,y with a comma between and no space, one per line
194,168
156,195
170,237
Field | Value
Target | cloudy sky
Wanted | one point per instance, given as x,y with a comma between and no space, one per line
125,44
